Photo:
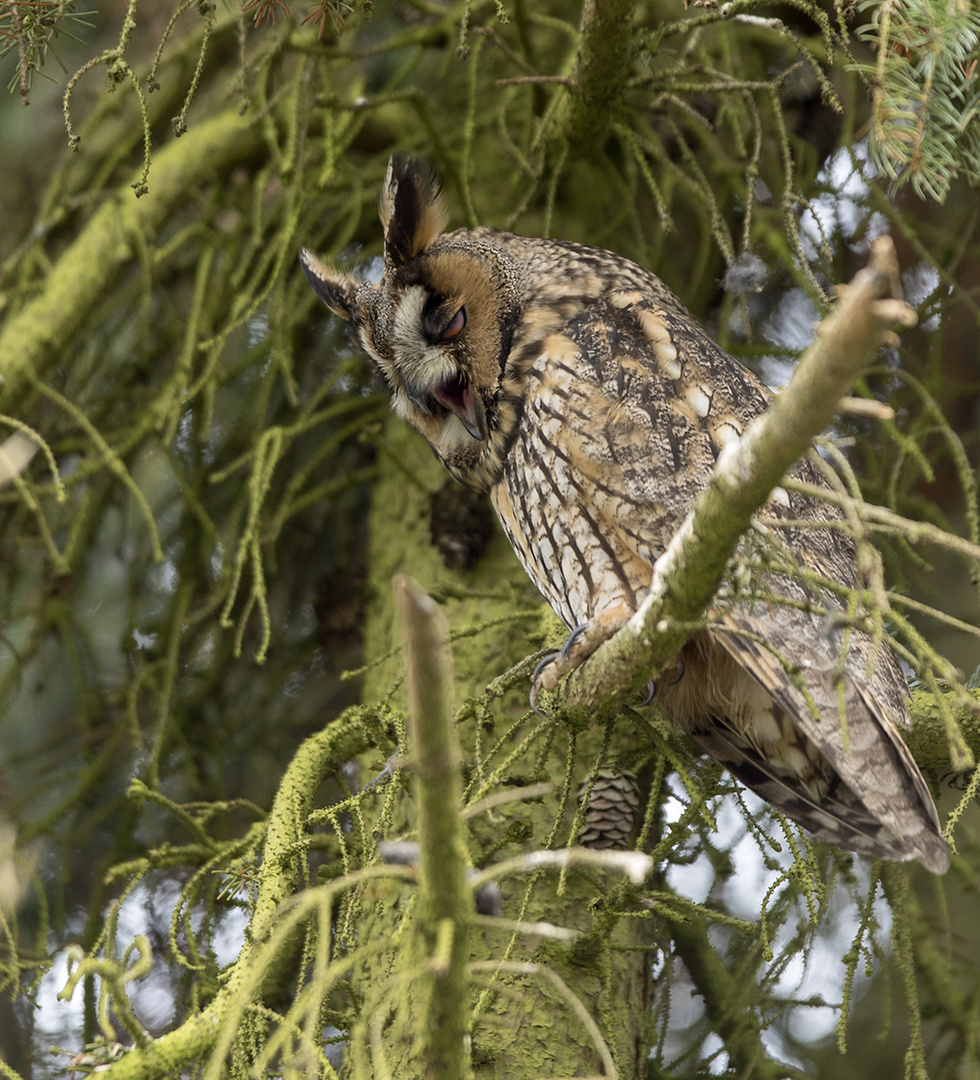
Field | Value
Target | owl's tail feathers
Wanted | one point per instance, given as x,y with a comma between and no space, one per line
824,805
853,781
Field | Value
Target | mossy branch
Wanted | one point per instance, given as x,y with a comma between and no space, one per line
687,575
928,739
278,876
602,68
44,331
724,998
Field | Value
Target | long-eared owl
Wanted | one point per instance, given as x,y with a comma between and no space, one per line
574,387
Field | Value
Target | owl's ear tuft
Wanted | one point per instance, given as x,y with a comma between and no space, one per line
413,209
336,289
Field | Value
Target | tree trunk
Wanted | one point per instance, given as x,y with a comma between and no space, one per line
524,1025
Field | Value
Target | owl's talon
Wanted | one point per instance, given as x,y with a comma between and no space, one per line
651,691
586,637
652,684
532,698
570,641
550,658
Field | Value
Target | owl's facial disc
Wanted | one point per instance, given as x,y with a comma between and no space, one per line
431,371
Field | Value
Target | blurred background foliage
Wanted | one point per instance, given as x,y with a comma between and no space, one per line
197,544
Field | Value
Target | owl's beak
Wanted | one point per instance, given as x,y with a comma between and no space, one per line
464,402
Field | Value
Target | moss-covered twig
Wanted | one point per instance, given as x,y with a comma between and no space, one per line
602,68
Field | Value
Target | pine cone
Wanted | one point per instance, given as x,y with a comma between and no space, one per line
611,809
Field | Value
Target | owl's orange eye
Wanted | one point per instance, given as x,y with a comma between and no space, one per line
456,324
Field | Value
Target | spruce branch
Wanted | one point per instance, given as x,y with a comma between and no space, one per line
925,125
212,1029
688,573
724,997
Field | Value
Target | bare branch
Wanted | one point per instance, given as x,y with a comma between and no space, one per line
446,901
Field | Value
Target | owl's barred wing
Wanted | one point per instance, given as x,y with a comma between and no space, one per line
844,773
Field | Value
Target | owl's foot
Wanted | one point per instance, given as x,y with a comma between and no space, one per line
578,647
560,657
581,643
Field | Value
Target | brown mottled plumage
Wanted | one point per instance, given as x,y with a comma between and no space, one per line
576,389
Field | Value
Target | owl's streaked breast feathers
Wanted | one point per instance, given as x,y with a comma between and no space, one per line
574,387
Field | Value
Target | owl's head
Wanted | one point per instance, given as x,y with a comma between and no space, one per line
440,322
